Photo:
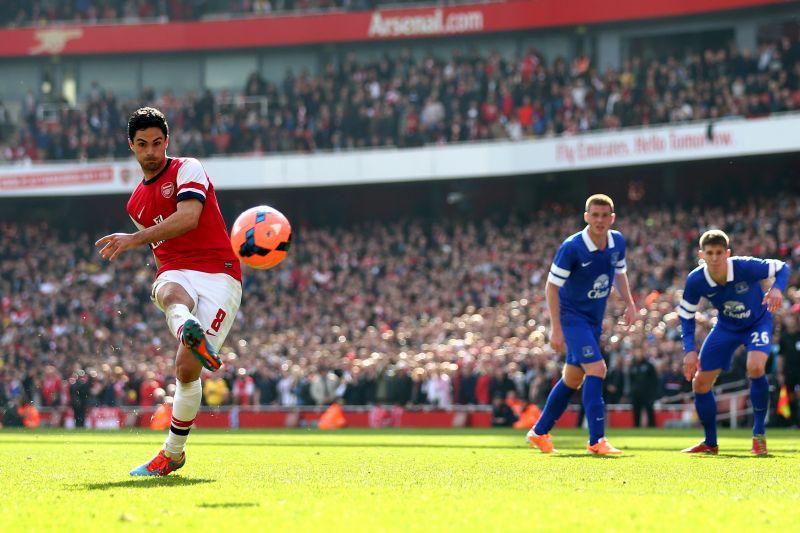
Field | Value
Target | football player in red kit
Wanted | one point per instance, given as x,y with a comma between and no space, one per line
198,282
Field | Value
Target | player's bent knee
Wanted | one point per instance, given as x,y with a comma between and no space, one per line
174,293
597,369
701,386
755,371
572,376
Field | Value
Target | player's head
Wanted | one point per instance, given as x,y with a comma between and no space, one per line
148,137
599,212
714,247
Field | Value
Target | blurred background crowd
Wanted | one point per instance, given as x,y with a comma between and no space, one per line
404,313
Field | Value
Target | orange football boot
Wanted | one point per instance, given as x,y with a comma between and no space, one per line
192,337
603,447
543,442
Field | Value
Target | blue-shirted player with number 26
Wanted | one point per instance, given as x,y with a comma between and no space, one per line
733,286
583,271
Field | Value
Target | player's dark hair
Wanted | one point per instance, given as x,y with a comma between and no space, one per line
599,199
714,237
147,117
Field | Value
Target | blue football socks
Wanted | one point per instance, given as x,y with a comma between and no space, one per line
557,403
759,397
706,406
595,408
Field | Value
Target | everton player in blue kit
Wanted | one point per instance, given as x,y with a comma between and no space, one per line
733,286
580,280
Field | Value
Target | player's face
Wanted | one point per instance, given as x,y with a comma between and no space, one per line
150,148
716,257
600,218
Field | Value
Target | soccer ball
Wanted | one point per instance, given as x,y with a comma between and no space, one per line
261,236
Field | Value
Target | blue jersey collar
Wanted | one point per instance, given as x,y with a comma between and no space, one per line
591,245
713,283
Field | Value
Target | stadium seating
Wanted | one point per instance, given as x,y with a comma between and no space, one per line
407,101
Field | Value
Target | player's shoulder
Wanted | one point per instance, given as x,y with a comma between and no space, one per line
189,169
573,240
696,276
744,259
617,236
187,163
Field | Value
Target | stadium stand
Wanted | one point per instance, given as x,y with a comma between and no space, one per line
408,101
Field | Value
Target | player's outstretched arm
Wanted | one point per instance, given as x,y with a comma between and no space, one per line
184,219
624,289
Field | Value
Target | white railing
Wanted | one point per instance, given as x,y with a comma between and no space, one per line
731,399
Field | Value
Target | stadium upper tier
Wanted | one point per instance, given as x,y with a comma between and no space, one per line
19,13
408,100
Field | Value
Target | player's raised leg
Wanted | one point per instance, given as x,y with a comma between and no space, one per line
759,398
176,296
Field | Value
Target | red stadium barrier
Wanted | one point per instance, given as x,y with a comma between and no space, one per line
252,417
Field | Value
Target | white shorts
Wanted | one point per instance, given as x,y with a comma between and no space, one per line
216,299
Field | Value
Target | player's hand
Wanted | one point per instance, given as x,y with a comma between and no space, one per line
115,244
773,299
557,340
631,315
689,365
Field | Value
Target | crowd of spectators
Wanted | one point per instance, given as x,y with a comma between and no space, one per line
407,313
405,100
21,13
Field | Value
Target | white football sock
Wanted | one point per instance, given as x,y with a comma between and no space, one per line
176,315
184,410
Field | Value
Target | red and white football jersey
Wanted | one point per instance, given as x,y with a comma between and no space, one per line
206,248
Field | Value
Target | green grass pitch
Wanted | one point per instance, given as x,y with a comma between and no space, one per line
360,480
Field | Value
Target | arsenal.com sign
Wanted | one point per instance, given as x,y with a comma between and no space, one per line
434,23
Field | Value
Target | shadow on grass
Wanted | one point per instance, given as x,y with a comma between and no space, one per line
320,444
227,505
591,457
143,483
742,455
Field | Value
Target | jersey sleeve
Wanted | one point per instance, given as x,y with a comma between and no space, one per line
686,310
138,226
621,266
562,265
192,181
766,268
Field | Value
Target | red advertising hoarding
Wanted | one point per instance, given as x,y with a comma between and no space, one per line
344,27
